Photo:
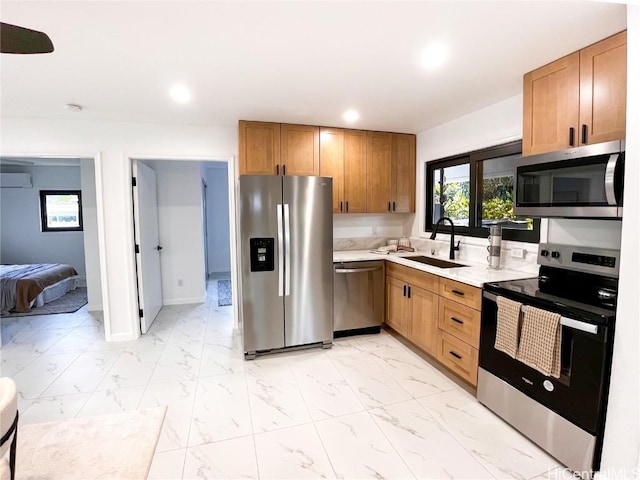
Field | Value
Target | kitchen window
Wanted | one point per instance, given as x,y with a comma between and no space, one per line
475,190
61,210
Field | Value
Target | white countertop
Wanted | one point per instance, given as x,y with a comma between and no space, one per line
476,274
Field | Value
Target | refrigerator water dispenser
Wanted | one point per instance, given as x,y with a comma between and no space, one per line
262,252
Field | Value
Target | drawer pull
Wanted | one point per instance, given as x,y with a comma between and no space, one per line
456,355
457,320
458,292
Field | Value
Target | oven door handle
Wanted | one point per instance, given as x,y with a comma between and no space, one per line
565,321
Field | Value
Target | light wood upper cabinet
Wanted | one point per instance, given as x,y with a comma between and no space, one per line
379,169
577,100
603,90
300,149
373,172
259,152
332,162
404,170
355,171
551,102
343,157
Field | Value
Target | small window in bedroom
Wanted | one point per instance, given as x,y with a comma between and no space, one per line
61,210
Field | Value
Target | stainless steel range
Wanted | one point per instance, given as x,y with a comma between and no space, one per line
564,415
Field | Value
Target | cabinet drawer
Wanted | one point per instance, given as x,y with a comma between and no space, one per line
460,321
461,293
420,279
458,356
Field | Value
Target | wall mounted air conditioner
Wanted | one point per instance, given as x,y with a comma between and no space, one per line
15,180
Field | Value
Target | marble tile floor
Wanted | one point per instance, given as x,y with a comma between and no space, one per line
367,408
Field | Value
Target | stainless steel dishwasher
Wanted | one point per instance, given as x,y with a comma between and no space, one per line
358,297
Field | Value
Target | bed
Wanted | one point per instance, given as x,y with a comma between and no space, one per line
25,286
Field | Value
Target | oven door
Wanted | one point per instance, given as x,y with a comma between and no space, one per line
579,394
581,182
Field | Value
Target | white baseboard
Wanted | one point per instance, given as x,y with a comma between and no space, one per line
122,337
182,301
91,307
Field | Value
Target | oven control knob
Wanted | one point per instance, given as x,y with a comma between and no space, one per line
555,254
548,386
544,253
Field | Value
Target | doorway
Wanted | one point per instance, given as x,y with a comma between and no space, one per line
189,225
25,240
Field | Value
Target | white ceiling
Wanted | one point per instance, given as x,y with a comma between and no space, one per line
297,62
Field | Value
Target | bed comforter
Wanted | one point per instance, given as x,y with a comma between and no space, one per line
21,284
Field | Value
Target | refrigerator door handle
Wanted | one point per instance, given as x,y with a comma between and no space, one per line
287,251
280,251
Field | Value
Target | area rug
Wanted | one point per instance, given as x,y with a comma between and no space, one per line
224,293
69,303
118,446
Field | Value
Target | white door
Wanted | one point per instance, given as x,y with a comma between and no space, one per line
145,215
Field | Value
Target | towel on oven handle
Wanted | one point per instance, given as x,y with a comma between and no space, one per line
508,326
540,341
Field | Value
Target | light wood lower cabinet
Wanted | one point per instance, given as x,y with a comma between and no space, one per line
423,328
412,305
397,306
439,315
459,356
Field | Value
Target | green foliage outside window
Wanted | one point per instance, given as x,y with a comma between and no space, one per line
497,199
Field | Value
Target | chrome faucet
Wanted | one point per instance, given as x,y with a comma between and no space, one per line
452,248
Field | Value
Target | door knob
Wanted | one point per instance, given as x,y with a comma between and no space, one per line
158,248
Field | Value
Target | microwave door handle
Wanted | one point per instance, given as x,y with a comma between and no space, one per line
609,179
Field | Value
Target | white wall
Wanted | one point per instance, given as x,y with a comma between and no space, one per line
621,452
180,230
113,144
21,238
493,125
90,220
218,218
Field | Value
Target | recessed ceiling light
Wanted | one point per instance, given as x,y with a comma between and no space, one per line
434,56
180,94
351,116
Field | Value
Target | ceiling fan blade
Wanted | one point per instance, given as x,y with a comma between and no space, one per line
14,39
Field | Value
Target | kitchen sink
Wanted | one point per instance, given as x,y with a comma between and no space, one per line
436,262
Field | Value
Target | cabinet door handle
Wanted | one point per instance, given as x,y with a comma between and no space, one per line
584,134
458,292
347,206
388,206
457,320
394,206
404,290
277,169
284,169
572,135
455,355
409,291
340,206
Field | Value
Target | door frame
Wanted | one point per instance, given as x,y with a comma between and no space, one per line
102,254
230,160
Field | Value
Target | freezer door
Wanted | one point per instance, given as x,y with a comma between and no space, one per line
308,233
260,200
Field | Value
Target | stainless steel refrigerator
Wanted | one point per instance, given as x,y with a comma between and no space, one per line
286,245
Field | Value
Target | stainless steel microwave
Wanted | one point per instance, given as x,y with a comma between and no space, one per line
582,182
